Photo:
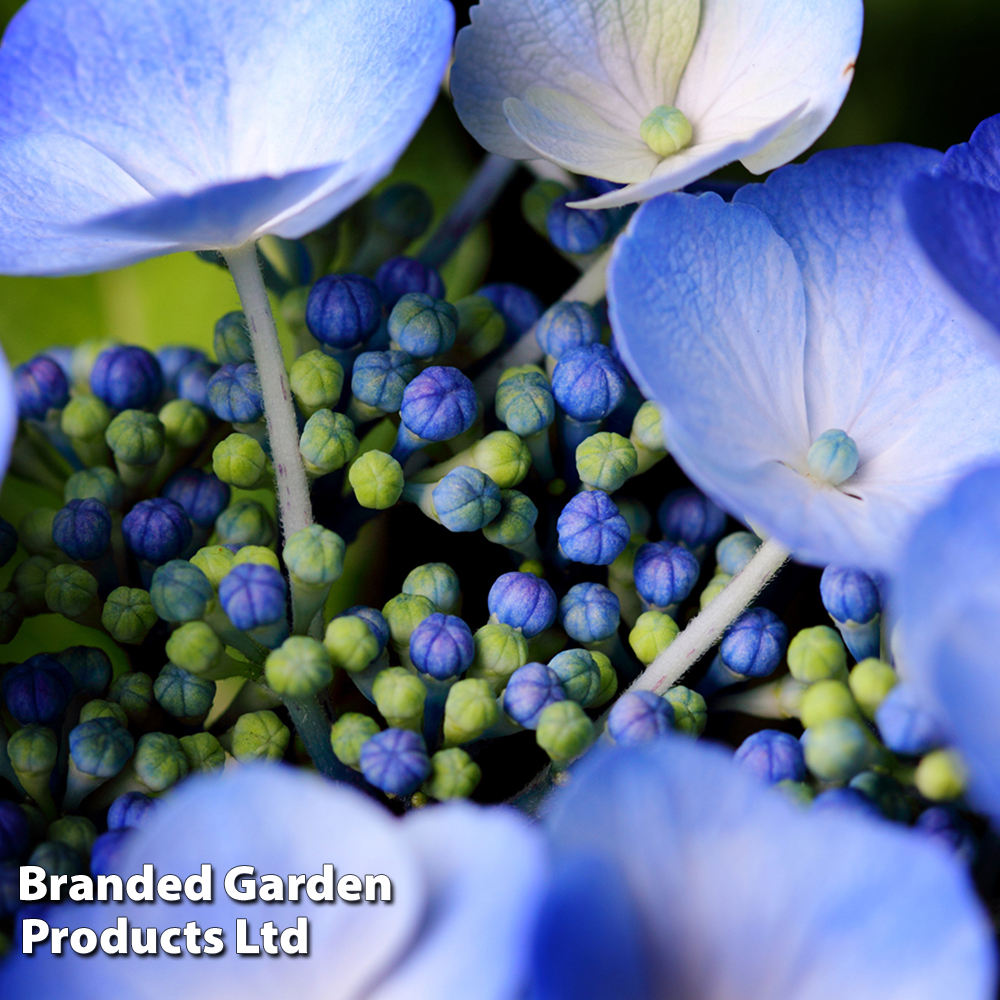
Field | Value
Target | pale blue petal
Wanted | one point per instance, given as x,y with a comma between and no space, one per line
948,599
281,821
486,871
181,97
745,897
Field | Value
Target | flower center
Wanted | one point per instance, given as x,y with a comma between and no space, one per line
666,130
833,457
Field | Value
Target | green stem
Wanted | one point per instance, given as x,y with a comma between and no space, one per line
313,726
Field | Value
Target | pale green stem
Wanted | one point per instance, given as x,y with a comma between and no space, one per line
292,486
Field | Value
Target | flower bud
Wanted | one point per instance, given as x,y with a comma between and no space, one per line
76,832
578,673
128,615
157,530
195,647
395,761
184,423
100,709
905,725
687,517
183,695
133,691
401,276
204,753
423,326
772,756
299,668
315,555
589,612
664,573
588,382
234,394
833,457
215,561
15,832
35,532
343,310
666,130
576,230
316,381
239,460
826,700
399,696
349,734
28,583
97,483
57,858
350,643
515,524
245,522
499,651
40,385
256,555
131,811
259,736
690,710
404,613
591,530
11,616
231,339
85,418
735,551
454,775
524,402
180,591
377,480
379,379
328,442
519,307
126,377
817,654
100,748
529,691
70,591
838,749
470,709
438,582
524,601
136,438
88,666
442,646
870,681
647,428
159,761
609,680
564,731
33,750
439,404
253,595
639,717
466,499
941,776
566,325
606,461
654,631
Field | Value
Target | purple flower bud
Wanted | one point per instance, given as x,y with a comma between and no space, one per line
131,810
202,495
442,646
38,690
576,230
40,385
519,307
343,310
664,573
567,325
639,717
82,529
439,403
127,378
773,756
395,761
524,601
401,276
588,382
234,394
157,530
689,518
253,594
755,643
591,529
530,690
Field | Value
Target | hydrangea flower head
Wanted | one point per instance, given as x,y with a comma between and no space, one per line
654,94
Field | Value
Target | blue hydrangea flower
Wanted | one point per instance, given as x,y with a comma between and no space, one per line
132,130
812,291
464,880
698,881
582,82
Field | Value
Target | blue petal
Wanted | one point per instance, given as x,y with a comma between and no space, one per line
743,896
977,160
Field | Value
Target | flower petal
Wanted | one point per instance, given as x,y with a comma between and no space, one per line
978,160
281,821
621,60
486,871
743,896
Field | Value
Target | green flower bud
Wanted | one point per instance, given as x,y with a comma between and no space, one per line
715,587
315,556
833,457
57,858
399,696
647,428
317,381
350,643
195,647
404,613
204,753
184,695
504,457
239,461
606,461
470,709
128,614
33,750
579,673
134,692
500,650
82,361
136,438
609,680
258,555
28,583
349,734
11,615
85,418
35,532
377,480
797,792
666,130
838,749
98,483
438,582
70,591
826,700
941,776
870,681
328,442
515,524
481,328
215,561
180,592
231,339
536,202
564,731
184,423
298,668
100,709
76,832
260,736
245,522
159,761
454,775
654,631
690,710
817,654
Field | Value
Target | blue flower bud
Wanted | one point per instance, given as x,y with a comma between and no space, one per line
846,798
8,540
530,690
38,690
157,530
97,483
395,761
755,643
905,726
380,377
173,360
589,612
40,385
89,668
15,832
131,811
136,438
126,378
567,325
438,582
773,756
253,595
107,851
735,551
423,326
245,522
592,531
234,394
183,695
202,496
849,595
192,382
519,307
100,748
689,518
833,457
588,382
375,619
231,340
524,402
400,276
82,529
639,717
343,310
576,230
180,591
441,645
524,601
439,404
579,674
466,499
